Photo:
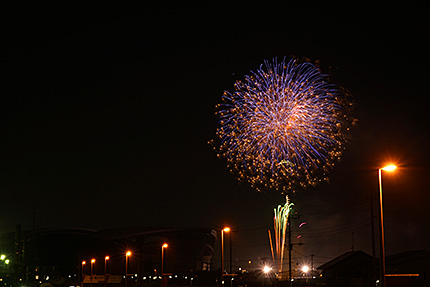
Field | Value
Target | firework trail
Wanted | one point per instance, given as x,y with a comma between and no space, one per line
280,221
284,126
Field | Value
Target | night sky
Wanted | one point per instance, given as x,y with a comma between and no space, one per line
106,113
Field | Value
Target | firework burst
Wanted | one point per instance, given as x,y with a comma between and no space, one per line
284,126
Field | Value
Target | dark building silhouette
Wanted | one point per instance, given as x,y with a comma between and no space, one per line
352,268
405,269
408,269
53,255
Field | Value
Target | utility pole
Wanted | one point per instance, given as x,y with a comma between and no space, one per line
312,264
372,221
290,244
231,251
290,247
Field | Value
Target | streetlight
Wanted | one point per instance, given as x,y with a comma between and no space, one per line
92,263
165,245
266,270
305,270
390,167
106,259
225,229
128,254
83,265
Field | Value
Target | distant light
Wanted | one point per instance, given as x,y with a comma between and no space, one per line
390,167
266,269
107,258
305,269
93,260
2,257
83,263
7,261
226,229
128,253
165,245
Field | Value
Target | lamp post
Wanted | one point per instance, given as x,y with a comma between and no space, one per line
225,229
82,273
165,245
106,260
93,261
128,254
381,225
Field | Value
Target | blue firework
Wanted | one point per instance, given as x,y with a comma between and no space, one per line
284,126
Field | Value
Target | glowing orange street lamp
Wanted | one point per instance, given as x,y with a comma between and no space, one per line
225,229
92,264
165,245
83,265
128,254
106,260
389,168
